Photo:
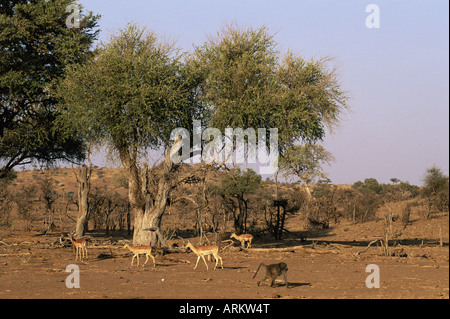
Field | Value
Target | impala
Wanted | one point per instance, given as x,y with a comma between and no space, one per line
206,251
140,250
80,247
243,238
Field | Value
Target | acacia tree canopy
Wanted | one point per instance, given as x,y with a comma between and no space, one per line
131,96
305,162
36,49
138,89
251,85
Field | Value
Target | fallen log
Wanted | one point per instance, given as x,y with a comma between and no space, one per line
368,246
293,249
177,260
15,254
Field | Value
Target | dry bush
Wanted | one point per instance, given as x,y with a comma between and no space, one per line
6,206
320,211
108,210
24,200
358,206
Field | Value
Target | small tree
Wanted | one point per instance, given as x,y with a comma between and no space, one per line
237,185
369,185
24,200
436,189
360,204
6,205
46,185
435,181
305,162
402,190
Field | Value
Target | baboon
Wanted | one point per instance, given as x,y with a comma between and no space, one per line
272,272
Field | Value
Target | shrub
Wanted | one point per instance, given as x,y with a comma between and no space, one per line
6,205
436,190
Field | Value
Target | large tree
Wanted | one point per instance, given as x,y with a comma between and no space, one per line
131,97
138,89
251,85
36,47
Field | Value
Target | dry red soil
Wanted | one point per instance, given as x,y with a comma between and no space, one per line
326,265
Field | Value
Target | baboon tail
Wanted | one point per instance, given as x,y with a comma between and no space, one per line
261,264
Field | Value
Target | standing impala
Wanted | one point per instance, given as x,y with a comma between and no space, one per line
80,247
243,238
206,251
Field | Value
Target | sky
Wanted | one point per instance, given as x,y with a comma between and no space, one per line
393,62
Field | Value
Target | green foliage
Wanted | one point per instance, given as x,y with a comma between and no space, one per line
37,47
369,185
305,161
436,189
435,181
309,99
237,183
235,186
250,85
238,66
402,190
132,94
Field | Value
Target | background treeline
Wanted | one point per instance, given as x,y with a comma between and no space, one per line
235,200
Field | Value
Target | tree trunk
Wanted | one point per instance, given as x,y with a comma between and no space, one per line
241,218
148,213
277,229
147,220
275,177
84,187
283,218
308,191
245,214
128,219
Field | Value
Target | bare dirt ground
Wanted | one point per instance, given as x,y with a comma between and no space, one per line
326,265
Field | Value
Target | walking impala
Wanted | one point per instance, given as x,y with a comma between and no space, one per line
206,251
140,250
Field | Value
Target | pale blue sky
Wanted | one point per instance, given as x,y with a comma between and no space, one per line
397,75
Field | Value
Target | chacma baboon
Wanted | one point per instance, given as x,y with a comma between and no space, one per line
272,272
